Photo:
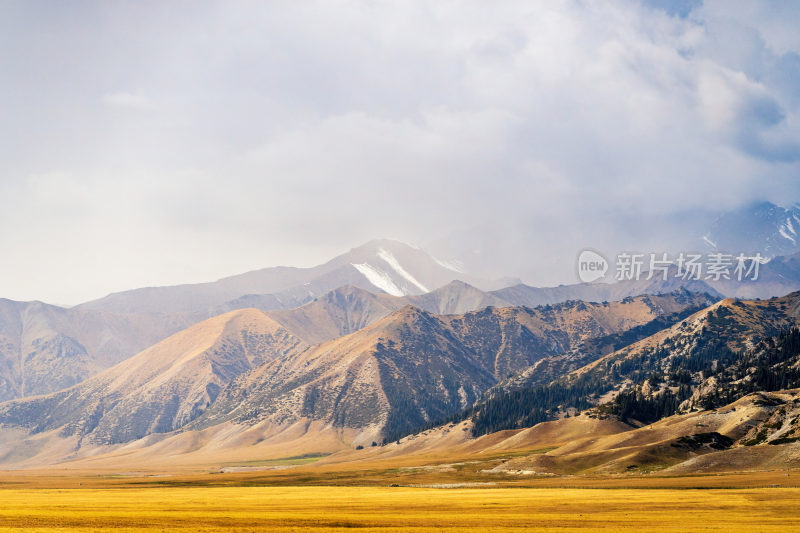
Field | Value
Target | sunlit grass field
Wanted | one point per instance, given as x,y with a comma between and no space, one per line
205,508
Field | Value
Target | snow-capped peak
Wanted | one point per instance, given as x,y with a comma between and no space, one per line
455,266
379,278
395,264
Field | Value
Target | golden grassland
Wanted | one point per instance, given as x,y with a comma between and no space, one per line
402,508
297,499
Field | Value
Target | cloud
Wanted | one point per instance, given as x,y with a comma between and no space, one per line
285,133
128,100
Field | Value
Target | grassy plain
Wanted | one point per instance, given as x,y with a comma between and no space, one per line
296,494
206,508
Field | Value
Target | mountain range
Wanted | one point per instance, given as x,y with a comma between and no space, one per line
386,345
45,348
763,227
675,359
407,369
386,266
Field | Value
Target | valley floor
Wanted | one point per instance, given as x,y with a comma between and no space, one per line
238,508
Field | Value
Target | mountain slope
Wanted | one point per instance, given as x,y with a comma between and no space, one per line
671,359
348,309
718,440
406,365
45,348
413,367
161,388
455,298
337,313
553,367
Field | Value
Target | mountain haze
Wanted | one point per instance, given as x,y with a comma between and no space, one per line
161,388
44,348
382,265
764,227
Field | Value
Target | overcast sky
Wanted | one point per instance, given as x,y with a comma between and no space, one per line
149,143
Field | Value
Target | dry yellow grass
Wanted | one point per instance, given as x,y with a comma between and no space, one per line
412,509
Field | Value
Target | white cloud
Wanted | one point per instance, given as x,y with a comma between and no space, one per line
288,132
128,100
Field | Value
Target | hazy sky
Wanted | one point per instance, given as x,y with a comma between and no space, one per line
147,143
